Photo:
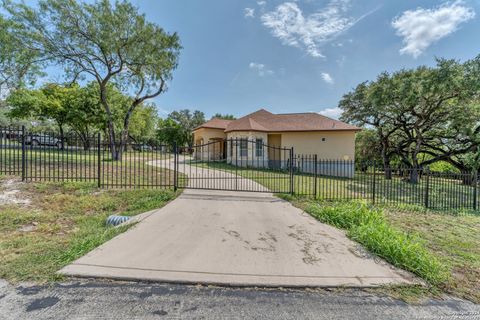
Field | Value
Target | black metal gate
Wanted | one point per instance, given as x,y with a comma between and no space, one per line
236,165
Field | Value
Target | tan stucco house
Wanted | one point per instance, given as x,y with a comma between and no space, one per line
259,134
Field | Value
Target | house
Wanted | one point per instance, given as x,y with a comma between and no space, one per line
264,139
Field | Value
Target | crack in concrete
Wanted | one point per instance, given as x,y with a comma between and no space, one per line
267,241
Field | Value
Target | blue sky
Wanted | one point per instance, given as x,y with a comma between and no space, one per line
299,56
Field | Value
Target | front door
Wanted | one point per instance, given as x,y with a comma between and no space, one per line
274,150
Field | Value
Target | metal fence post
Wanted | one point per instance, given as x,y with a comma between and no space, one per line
175,160
236,163
315,175
374,182
291,172
475,185
99,161
427,186
23,155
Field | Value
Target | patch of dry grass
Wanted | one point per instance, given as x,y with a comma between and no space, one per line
62,222
452,238
455,239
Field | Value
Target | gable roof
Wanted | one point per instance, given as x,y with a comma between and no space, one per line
215,123
265,121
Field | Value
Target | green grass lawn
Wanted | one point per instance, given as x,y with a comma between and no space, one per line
453,238
443,192
442,248
52,164
63,221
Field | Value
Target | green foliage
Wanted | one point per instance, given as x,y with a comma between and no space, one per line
224,116
143,123
65,105
369,227
169,131
367,146
18,65
51,102
186,121
79,109
346,215
442,166
430,111
108,42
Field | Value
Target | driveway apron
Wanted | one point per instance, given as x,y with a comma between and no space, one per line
238,239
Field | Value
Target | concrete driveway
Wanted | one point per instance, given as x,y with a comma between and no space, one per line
235,238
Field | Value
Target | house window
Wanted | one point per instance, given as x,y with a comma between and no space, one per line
259,147
243,148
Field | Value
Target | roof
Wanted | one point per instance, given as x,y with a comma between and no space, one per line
215,123
265,121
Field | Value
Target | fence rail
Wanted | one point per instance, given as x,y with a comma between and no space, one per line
46,156
229,165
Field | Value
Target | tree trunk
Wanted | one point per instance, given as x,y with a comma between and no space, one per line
414,176
386,162
62,137
112,142
124,133
467,178
85,137
386,167
111,128
86,143
414,173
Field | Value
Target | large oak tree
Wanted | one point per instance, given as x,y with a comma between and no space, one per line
111,43
423,115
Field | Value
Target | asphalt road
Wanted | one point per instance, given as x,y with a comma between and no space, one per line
116,300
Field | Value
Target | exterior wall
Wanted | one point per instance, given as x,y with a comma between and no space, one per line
207,134
328,168
335,150
338,145
250,159
336,154
203,148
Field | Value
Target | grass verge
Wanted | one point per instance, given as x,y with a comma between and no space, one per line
368,226
60,223
453,237
442,248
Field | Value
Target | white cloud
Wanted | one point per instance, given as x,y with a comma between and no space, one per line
249,12
261,3
422,27
261,69
327,78
341,61
288,23
334,113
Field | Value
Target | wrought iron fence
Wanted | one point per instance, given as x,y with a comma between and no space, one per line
236,164
47,156
346,180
